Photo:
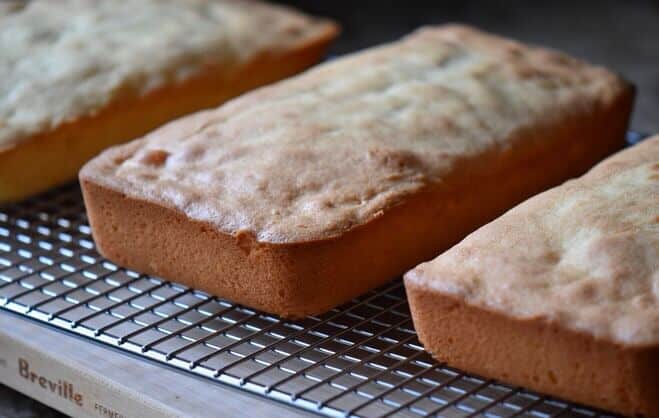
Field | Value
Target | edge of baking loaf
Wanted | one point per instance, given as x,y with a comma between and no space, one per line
122,120
536,353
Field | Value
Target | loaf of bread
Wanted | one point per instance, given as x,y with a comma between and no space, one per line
77,76
302,195
560,294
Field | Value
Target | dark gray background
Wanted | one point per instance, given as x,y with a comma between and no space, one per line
622,35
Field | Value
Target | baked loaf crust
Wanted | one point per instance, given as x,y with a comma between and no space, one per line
560,294
304,194
77,76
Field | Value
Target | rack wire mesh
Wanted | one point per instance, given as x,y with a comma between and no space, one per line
361,359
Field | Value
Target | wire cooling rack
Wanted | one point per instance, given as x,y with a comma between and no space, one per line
361,359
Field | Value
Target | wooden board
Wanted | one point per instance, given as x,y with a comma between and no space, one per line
84,379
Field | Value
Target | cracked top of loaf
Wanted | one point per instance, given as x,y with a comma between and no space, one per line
63,59
313,156
584,254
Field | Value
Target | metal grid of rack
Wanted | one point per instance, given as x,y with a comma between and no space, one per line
361,359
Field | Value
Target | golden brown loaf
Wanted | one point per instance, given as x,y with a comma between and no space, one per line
79,75
304,194
561,293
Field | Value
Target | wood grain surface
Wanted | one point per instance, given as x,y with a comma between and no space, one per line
132,387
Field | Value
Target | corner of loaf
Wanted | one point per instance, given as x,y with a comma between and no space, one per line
292,281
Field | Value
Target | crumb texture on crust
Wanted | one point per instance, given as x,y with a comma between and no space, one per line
311,157
584,255
60,60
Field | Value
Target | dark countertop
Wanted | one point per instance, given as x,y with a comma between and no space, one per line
15,405
622,35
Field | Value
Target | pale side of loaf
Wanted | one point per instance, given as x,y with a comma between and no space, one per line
77,76
560,294
302,195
